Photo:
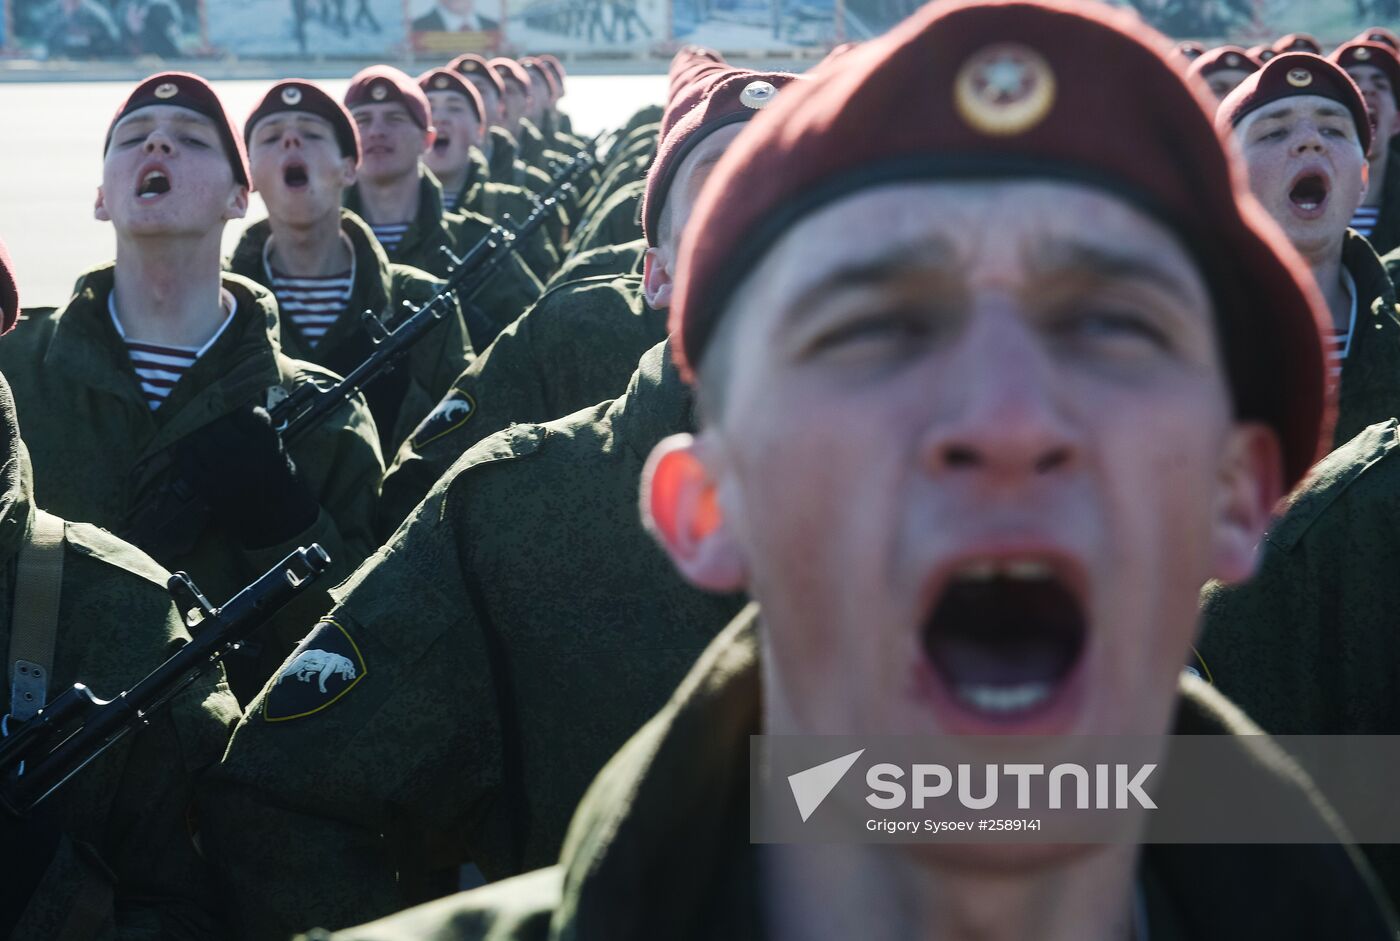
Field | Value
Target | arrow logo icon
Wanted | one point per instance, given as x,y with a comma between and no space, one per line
811,787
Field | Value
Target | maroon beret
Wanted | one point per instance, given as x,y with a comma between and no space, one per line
689,56
384,84
1296,42
511,71
1371,53
185,90
552,62
1291,75
469,64
298,94
736,96
9,292
700,72
448,80
1223,59
1015,90
1261,54
1381,35
1190,50
531,62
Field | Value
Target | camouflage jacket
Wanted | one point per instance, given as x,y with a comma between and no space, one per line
126,865
617,220
611,260
510,291
400,399
1370,389
485,197
575,348
507,167
1385,237
498,664
99,451
1308,646
659,847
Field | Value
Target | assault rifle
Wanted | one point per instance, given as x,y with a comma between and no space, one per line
169,521
76,727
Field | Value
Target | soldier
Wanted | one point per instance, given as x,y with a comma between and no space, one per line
517,103
545,92
402,201
1303,128
579,344
1376,71
151,381
1296,42
922,351
1223,68
499,146
456,160
325,266
563,121
111,854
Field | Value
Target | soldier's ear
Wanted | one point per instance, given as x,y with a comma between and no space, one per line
1251,485
237,206
349,171
429,137
99,208
657,281
680,509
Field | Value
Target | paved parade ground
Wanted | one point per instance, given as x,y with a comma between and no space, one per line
53,162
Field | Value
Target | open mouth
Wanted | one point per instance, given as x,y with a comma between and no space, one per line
1005,635
441,144
294,175
1309,192
154,183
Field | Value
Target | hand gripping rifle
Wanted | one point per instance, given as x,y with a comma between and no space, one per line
171,519
77,726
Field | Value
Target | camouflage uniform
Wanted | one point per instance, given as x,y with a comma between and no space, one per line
507,167
98,449
514,287
617,220
401,399
125,866
499,676
659,847
485,197
1371,372
1385,237
576,347
606,260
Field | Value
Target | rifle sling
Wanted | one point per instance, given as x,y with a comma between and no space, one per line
34,625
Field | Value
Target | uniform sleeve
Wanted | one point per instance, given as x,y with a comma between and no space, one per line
511,290
372,752
436,360
341,461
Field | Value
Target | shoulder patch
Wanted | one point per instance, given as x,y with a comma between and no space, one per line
326,665
454,411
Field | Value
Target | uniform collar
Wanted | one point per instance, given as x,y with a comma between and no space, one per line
428,222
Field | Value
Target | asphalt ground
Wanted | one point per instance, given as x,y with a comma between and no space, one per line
52,163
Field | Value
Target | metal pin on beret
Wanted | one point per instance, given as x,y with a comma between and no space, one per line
383,84
1014,90
1377,55
723,98
533,64
1297,42
511,71
436,80
1381,35
1291,75
299,94
186,90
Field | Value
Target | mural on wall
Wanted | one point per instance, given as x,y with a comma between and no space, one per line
444,28
306,27
583,26
106,29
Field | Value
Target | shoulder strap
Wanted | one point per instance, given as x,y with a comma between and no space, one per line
34,627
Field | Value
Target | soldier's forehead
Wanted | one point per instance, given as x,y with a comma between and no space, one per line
152,114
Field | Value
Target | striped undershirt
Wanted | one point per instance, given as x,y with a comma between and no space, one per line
159,366
1364,220
390,235
312,304
449,202
1340,344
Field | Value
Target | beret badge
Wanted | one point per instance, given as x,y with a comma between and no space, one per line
291,95
1361,54
440,81
757,95
1299,78
1004,89
379,92
167,90
1232,60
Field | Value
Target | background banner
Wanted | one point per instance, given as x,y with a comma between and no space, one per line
256,28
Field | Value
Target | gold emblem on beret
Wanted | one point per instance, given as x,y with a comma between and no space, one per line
291,95
440,81
757,95
379,92
1004,89
1232,60
1362,54
1299,78
167,90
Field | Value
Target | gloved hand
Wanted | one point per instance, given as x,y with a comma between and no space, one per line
238,464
